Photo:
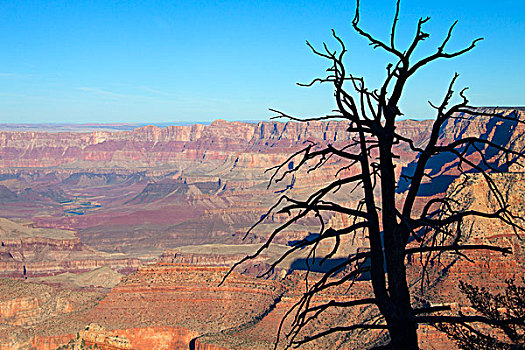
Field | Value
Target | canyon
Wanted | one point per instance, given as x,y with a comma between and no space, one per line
120,239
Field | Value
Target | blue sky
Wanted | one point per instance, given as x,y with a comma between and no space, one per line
163,61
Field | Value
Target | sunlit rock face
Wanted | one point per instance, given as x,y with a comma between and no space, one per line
152,146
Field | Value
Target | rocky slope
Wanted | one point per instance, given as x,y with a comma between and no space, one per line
26,307
172,306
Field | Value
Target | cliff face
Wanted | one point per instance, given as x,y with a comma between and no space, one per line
26,304
161,306
156,291
151,146
489,269
508,132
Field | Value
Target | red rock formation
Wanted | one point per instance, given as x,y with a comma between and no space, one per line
153,146
167,338
158,337
187,296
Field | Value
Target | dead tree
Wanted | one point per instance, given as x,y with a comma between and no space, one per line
389,224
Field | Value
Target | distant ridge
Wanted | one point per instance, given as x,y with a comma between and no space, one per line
87,127
114,127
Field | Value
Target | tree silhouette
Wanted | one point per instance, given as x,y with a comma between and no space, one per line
388,223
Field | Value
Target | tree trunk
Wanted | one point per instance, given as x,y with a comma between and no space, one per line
401,324
403,335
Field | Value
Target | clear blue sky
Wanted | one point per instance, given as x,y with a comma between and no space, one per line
158,61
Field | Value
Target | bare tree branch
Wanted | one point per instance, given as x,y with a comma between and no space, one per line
396,225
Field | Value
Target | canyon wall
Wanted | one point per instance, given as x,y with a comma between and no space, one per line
143,191
151,146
